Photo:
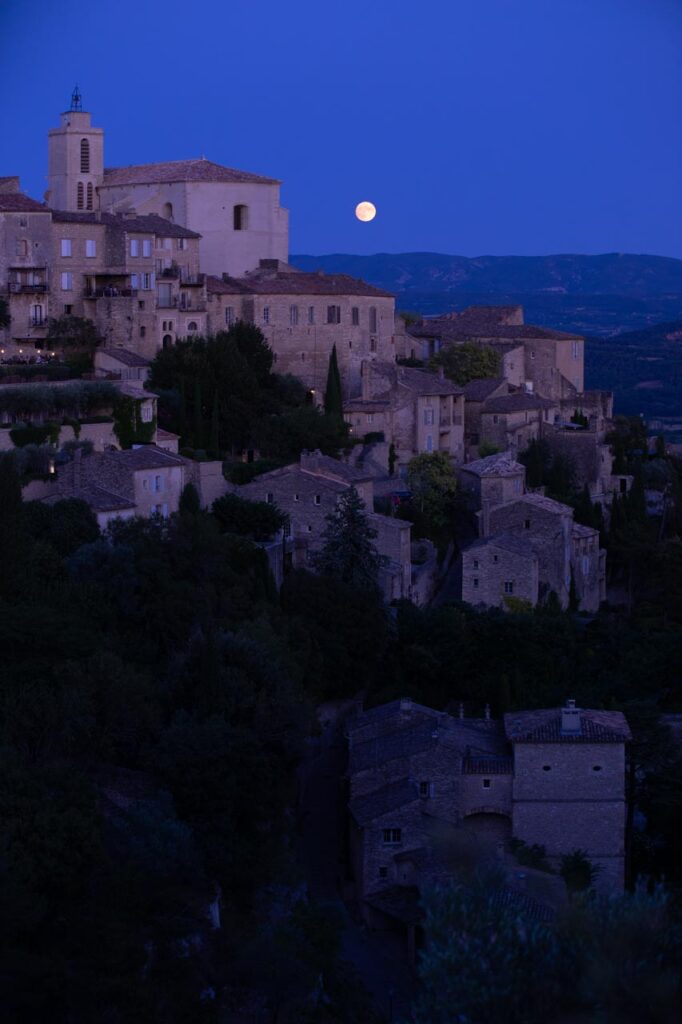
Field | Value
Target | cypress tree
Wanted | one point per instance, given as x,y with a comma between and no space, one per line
333,401
198,421
215,427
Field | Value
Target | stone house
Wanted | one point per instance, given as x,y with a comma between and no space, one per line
426,787
308,492
303,315
511,421
142,481
237,213
498,570
25,264
121,363
476,392
416,410
551,361
493,480
566,550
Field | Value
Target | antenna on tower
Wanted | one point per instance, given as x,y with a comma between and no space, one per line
76,100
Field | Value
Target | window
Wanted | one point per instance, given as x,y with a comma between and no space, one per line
311,314
486,783
495,558
158,483
475,563
475,582
318,499
167,341
546,767
576,349
585,565
372,320
192,327
270,497
89,202
428,416
80,196
134,247
143,331
180,243
85,156
36,316
266,314
67,281
526,524
424,789
68,309
392,835
293,315
297,497
147,282
333,314
146,246
22,247
168,211
517,487
23,222
355,316
383,872
229,316
370,417
90,248
146,413
372,344
596,767
240,217
66,247
509,586
429,443
164,511
532,355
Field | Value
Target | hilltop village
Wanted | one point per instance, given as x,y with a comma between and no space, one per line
483,475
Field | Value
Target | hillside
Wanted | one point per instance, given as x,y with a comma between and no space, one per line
598,295
644,369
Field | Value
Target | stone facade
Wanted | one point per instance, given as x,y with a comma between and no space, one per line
424,786
493,480
416,410
511,422
309,491
498,570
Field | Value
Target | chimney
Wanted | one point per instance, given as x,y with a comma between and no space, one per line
570,719
77,457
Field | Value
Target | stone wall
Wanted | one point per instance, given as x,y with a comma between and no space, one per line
552,537
487,568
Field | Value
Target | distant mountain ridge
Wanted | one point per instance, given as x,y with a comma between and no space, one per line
637,276
597,295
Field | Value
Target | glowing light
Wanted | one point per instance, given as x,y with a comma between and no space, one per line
365,211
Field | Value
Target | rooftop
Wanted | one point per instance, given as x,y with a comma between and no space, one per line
546,504
501,464
125,356
105,479
544,726
517,543
180,170
518,402
381,801
16,202
423,382
149,223
479,390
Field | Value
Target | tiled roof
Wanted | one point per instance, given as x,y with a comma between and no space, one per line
423,382
501,464
516,403
453,330
400,743
225,286
381,801
318,464
9,183
478,390
366,405
289,475
148,456
180,170
546,504
106,478
125,356
16,202
544,726
297,282
99,499
149,223
579,530
522,903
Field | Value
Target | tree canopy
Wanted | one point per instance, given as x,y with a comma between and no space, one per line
467,361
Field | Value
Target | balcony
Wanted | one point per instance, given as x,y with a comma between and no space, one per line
192,280
23,288
110,293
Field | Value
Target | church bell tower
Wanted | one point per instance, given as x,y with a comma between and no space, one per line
75,160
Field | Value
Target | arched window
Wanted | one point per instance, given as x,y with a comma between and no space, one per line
89,194
85,156
167,341
192,327
168,211
240,217
80,196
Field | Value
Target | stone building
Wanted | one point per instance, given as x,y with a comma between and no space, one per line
416,411
25,263
512,421
552,362
237,213
476,393
496,571
493,480
303,315
308,492
426,788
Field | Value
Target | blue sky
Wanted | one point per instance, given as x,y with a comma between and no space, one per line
475,126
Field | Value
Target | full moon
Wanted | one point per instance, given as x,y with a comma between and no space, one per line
365,211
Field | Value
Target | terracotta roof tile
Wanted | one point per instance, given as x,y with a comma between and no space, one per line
16,202
180,170
149,223
544,726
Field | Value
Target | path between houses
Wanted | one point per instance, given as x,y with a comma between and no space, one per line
322,814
